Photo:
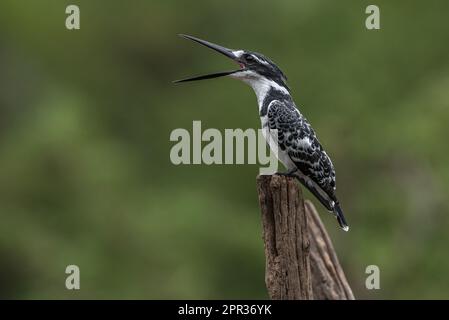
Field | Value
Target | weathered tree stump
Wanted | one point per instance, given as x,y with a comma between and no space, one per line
300,260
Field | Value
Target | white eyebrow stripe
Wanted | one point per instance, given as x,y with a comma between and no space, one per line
259,60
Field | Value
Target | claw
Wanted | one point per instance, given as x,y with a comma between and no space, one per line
290,173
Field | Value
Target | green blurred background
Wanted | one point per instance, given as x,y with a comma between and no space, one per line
85,119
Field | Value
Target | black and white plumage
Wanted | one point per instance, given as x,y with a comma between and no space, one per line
302,154
286,130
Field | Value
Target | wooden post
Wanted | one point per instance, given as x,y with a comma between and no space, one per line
300,260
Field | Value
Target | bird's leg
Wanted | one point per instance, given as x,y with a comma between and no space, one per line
289,173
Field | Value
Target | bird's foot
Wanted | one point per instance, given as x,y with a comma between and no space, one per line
289,173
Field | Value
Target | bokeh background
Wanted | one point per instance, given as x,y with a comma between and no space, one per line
85,119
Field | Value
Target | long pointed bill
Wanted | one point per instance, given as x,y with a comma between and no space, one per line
227,52
207,76
224,51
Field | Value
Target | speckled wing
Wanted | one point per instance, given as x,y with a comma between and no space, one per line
297,138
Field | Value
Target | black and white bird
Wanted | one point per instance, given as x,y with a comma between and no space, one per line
294,140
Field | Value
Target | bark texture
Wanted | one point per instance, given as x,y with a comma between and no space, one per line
301,263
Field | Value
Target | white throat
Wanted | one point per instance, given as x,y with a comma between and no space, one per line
260,85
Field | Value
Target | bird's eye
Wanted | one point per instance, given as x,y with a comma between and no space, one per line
249,58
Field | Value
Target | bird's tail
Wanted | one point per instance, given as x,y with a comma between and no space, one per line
340,217
329,202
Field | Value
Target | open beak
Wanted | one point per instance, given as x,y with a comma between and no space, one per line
224,51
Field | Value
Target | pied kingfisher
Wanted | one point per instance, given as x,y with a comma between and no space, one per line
296,144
